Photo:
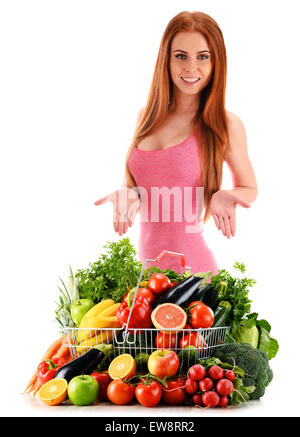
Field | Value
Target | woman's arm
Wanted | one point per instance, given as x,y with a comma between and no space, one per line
244,192
243,177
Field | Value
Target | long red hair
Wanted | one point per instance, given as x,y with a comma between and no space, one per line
210,125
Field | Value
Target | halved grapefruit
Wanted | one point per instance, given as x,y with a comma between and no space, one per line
169,316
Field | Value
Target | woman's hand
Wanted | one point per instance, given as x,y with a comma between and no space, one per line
222,208
125,207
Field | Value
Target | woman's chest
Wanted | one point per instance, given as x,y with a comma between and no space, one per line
174,130
178,166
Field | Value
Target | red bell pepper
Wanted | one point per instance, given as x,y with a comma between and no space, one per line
48,368
140,316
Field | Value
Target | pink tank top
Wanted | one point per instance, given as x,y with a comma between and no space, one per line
168,181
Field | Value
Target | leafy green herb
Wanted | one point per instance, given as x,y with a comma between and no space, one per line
171,274
235,291
111,275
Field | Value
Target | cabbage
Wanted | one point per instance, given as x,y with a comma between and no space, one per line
255,332
246,335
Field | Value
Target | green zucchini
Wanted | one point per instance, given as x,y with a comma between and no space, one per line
222,313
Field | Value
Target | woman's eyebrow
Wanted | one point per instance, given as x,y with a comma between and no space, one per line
183,51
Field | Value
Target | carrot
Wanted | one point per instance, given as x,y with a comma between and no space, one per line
50,352
37,386
53,348
31,382
64,350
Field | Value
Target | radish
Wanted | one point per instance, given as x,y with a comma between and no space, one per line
196,372
229,374
210,399
206,384
191,386
215,372
223,401
224,387
197,400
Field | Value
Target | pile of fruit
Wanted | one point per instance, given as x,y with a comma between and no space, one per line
205,385
168,320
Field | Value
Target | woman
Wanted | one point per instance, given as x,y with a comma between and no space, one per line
182,138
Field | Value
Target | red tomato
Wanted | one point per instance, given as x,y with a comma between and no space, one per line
148,395
174,394
192,339
159,283
146,294
120,393
195,302
202,317
103,380
166,341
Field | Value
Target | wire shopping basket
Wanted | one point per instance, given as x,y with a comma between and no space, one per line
140,343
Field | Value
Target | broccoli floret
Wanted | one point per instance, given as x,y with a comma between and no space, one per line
253,361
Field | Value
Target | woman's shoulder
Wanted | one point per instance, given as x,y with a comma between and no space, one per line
237,134
139,116
234,123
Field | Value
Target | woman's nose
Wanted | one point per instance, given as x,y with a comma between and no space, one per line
191,66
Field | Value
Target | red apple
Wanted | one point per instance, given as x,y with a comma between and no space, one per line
103,380
163,363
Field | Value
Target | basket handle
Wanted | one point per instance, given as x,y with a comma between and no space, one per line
157,259
168,252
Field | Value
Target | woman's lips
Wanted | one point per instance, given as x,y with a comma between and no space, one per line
190,83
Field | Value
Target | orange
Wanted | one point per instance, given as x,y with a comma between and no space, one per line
123,366
169,316
53,392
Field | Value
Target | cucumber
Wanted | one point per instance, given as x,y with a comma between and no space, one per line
222,313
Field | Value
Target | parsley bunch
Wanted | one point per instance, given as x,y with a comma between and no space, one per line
111,275
235,291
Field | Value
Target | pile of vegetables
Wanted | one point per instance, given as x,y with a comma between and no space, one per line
178,308
208,383
235,312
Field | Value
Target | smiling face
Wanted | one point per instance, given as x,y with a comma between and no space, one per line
190,58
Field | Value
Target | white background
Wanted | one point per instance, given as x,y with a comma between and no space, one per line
73,76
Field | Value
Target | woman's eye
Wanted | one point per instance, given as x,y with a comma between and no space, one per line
202,57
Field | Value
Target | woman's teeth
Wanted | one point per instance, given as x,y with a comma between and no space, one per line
190,79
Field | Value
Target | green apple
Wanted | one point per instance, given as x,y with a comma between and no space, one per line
83,390
79,308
